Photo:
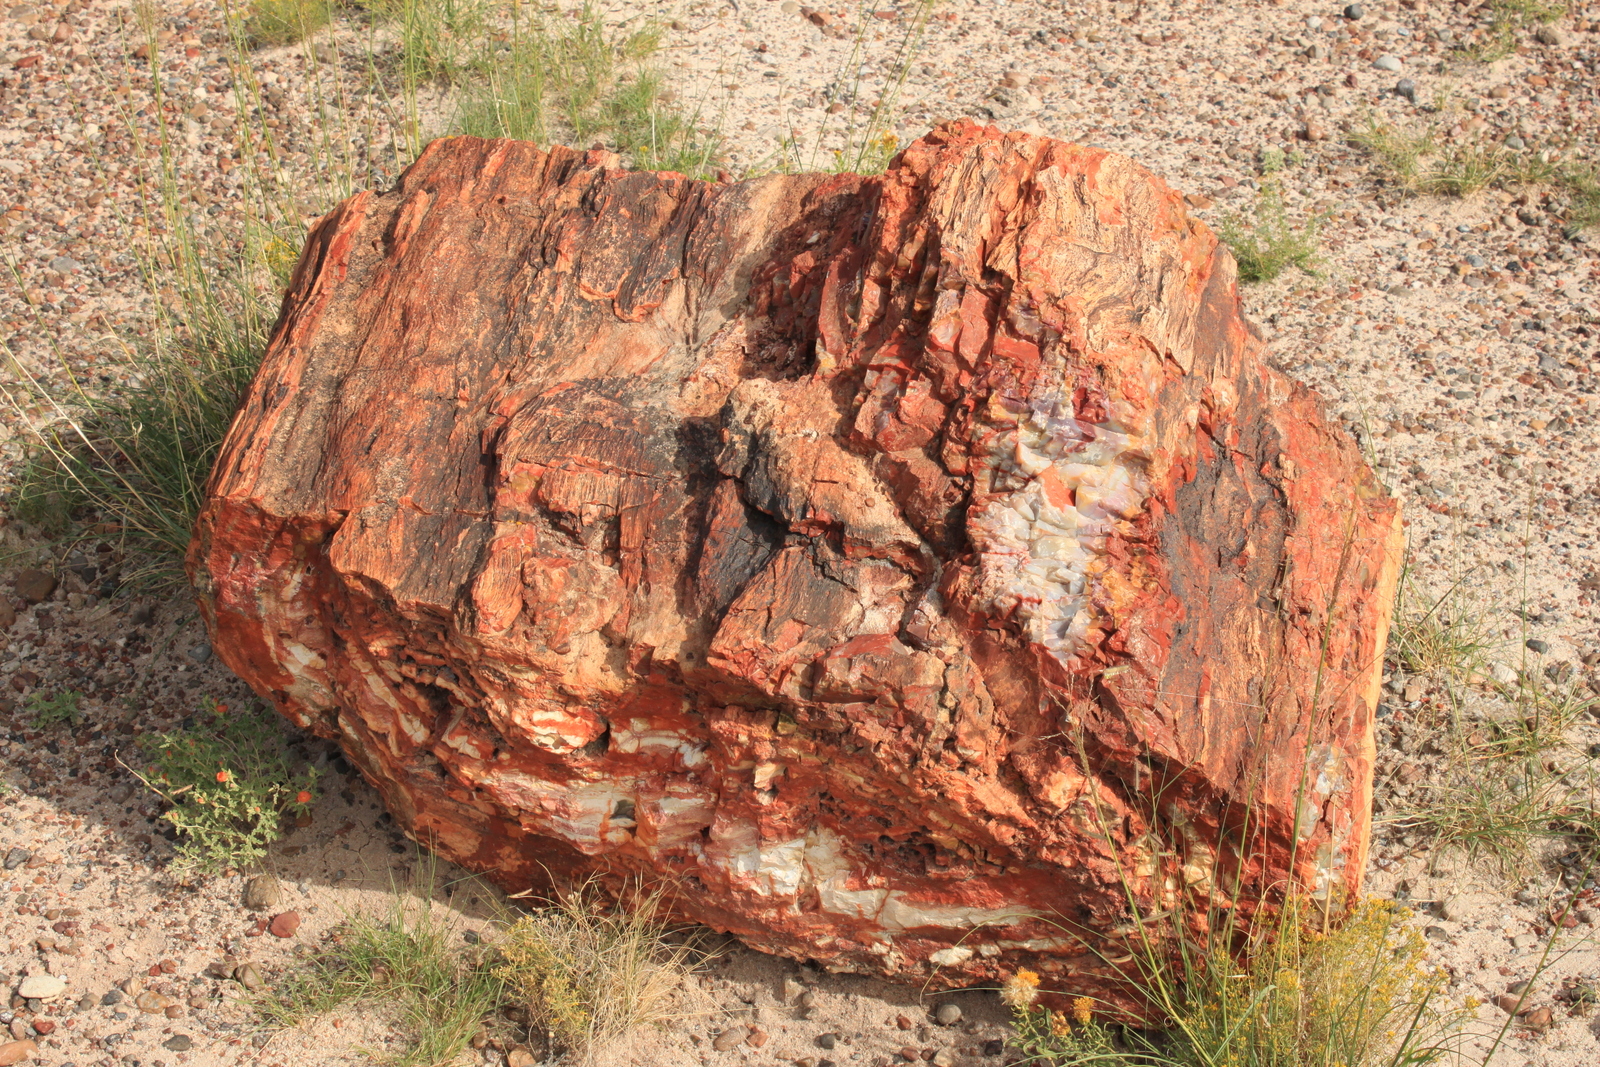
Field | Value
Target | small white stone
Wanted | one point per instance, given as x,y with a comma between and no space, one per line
949,957
43,987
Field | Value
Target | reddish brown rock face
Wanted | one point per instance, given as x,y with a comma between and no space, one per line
904,568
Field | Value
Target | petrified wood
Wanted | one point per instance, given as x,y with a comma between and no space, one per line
906,569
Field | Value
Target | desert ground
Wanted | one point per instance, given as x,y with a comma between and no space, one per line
1457,336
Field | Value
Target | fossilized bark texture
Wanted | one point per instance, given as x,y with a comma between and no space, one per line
899,566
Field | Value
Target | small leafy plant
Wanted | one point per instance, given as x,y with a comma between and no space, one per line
229,780
62,708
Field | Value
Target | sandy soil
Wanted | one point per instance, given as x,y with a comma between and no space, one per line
1458,337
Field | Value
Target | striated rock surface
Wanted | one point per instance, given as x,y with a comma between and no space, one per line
903,568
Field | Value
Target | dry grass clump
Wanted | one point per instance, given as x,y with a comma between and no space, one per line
1445,635
589,974
580,974
1303,994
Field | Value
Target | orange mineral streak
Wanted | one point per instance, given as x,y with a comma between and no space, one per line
856,556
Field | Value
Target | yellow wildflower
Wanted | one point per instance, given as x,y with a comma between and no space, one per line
1082,1009
1059,1027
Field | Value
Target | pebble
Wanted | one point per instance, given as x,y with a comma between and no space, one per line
827,1041
262,891
1516,144
65,265
1406,88
1536,645
1353,12
943,1058
1524,941
1453,908
1550,35
153,1003
178,1043
112,998
285,925
247,975
200,653
520,1057
16,858
1387,62
947,1014
41,987
35,586
17,1052
730,1038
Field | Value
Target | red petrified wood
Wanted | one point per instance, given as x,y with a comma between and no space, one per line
905,568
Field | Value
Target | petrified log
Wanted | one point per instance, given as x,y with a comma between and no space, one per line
908,569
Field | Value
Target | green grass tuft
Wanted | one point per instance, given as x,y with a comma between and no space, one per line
578,81
406,965
1419,164
1508,21
278,22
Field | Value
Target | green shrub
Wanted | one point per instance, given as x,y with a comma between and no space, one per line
1267,245
228,780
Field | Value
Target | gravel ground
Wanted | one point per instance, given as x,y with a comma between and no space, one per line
1460,338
